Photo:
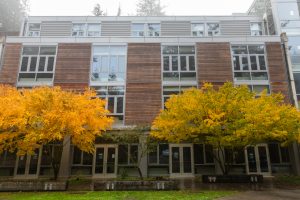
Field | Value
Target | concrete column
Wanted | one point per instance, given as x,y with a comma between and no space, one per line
218,169
295,158
65,162
143,155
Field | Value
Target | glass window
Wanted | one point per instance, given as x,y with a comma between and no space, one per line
153,30
256,29
94,30
123,154
239,49
213,29
199,154
138,30
78,30
256,49
128,154
297,82
34,29
198,30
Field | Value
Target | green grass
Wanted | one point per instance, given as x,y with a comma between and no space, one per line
290,180
124,195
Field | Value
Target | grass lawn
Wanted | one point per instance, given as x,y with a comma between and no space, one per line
126,195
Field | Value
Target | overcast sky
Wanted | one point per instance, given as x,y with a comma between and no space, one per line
173,7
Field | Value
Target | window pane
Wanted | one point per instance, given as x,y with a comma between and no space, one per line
170,49
120,105
117,50
111,102
33,62
187,76
87,158
253,62
174,63
239,156
260,88
297,82
285,157
104,64
187,50
30,50
34,27
257,49
198,154
274,153
153,156
133,154
239,50
192,63
209,154
163,154
183,63
236,63
262,63
42,64
24,64
76,156
259,75
50,64
169,90
121,64
26,76
48,51
166,63
198,30
123,154
245,64
171,76
137,27
94,27
242,76
113,68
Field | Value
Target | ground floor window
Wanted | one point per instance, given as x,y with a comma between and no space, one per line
7,163
128,154
160,155
51,154
82,162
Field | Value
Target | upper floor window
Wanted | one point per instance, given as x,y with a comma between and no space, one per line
78,30
179,63
93,30
37,63
198,30
34,29
256,29
213,29
109,64
148,29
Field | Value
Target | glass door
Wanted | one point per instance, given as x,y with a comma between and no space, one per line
27,166
181,160
105,161
258,160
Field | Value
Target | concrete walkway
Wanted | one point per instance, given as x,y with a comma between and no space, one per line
275,194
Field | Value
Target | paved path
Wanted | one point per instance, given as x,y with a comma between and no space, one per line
276,194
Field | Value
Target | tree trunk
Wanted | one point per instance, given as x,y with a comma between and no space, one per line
140,173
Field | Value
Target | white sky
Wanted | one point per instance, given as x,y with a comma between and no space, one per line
173,7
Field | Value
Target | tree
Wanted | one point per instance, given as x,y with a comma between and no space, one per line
227,118
32,118
97,11
12,13
149,8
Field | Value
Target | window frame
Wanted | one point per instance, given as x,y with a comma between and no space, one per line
34,32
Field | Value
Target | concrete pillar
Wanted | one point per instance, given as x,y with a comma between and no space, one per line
143,155
65,162
218,169
295,158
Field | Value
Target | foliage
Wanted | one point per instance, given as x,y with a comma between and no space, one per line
228,117
111,195
149,8
12,13
97,11
32,118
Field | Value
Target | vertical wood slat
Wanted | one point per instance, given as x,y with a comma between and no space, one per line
10,64
143,87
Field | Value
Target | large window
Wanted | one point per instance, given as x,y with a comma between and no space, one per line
148,29
78,30
51,153
114,96
256,29
37,64
93,30
128,154
203,154
174,90
109,64
198,29
249,66
7,163
213,29
34,30
160,155
179,63
82,162
278,154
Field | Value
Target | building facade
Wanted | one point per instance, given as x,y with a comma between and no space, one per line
136,63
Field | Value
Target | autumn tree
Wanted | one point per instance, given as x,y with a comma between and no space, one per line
32,118
227,118
149,8
97,11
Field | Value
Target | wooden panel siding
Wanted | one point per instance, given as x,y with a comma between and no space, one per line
214,63
72,68
10,64
143,87
277,70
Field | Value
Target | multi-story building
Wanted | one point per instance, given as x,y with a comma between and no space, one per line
136,63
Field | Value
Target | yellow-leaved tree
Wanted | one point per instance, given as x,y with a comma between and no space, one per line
31,118
227,118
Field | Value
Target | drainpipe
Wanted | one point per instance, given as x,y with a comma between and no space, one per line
294,148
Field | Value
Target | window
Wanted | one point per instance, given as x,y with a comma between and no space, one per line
7,163
128,154
82,162
147,30
278,154
93,30
235,157
114,96
78,30
203,154
50,151
198,30
213,29
37,64
109,64
179,63
34,30
160,156
256,29
249,66
174,90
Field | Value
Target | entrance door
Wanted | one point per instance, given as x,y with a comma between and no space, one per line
27,166
181,160
105,161
258,160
